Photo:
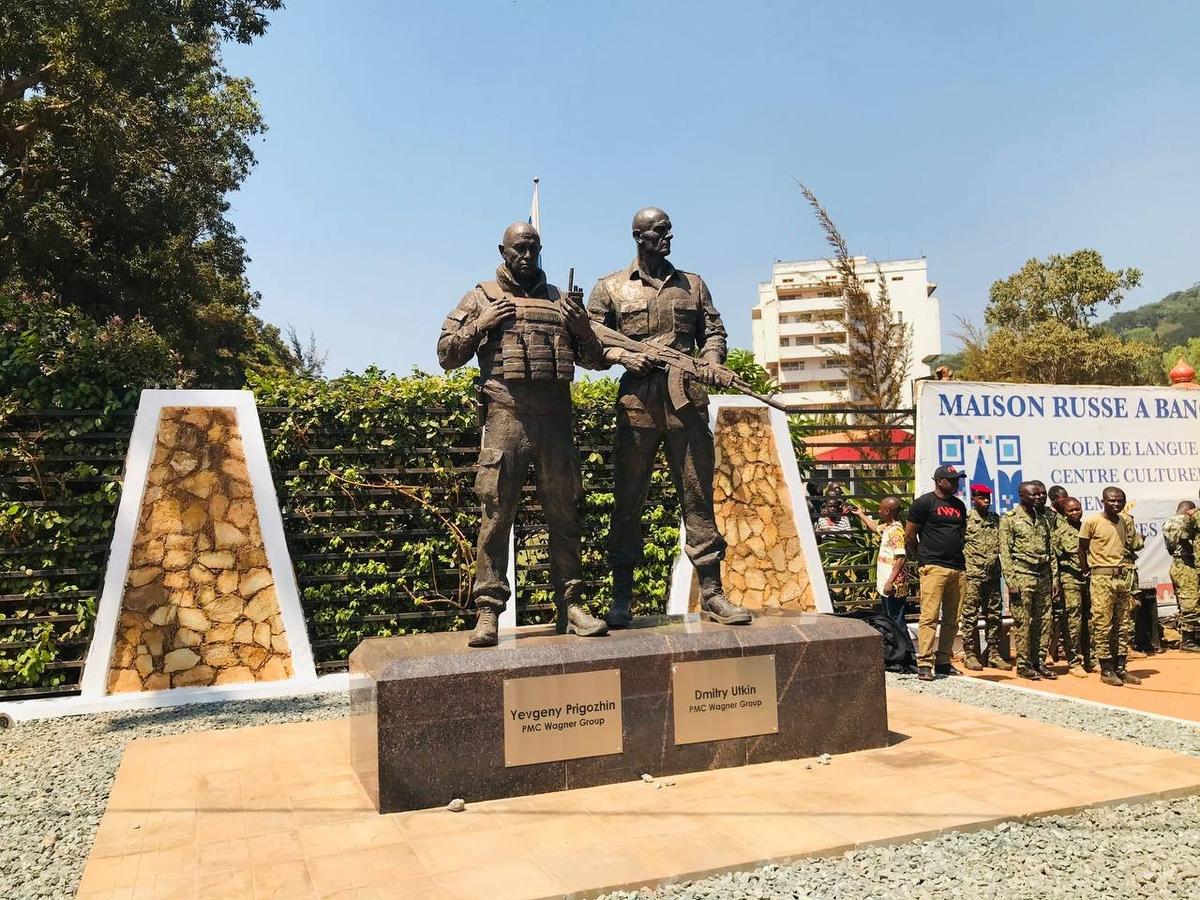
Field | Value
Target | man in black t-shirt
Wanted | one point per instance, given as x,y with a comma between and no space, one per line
935,533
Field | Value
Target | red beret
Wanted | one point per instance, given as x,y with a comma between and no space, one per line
981,489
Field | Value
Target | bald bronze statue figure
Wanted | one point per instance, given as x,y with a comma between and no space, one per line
528,338
652,301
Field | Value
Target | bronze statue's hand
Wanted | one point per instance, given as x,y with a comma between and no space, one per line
637,363
577,320
715,375
495,313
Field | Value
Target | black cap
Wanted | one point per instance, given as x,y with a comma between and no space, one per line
947,472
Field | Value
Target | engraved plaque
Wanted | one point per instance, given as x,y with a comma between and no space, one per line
716,699
554,717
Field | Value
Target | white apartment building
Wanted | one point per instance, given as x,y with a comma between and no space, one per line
799,322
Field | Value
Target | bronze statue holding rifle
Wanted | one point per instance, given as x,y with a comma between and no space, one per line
651,317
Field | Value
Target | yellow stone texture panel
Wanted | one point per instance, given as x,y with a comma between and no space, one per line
763,566
199,605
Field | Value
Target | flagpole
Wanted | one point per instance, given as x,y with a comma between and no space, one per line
535,213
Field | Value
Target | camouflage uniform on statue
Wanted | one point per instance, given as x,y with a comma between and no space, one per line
1180,535
1071,610
653,302
981,596
1030,573
528,339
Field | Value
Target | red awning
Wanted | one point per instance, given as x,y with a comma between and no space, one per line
902,440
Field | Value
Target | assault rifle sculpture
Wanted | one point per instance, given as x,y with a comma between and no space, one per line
679,365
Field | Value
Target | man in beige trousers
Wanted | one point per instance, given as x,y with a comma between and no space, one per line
935,533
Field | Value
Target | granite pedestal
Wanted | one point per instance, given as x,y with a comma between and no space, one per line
428,713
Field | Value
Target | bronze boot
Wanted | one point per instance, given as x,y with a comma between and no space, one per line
573,617
713,602
487,628
581,622
620,614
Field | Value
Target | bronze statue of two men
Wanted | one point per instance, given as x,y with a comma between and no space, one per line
529,337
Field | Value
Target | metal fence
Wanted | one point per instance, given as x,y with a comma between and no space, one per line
60,474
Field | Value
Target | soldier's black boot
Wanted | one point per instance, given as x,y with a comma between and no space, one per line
619,614
1126,677
487,628
1188,643
713,602
1108,674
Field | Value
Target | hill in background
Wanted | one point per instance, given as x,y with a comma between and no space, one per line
1172,321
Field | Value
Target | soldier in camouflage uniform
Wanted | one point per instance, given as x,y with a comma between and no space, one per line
653,302
1030,572
1071,609
981,596
1055,496
1058,496
1134,543
1105,545
1180,535
528,339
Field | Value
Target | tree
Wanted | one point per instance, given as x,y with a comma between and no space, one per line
878,348
747,368
55,357
1056,353
121,134
1066,289
1040,327
310,359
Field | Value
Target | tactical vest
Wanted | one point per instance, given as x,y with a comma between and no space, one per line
532,346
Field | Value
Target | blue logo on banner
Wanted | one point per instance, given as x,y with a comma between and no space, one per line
991,459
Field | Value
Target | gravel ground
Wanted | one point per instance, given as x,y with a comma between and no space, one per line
1134,850
55,776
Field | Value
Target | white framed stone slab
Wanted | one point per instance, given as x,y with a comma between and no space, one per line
759,497
199,600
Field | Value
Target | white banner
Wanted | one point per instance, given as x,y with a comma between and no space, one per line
1144,440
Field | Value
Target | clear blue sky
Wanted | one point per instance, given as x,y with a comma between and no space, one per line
403,138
